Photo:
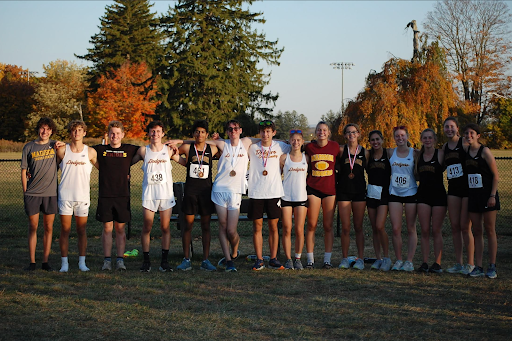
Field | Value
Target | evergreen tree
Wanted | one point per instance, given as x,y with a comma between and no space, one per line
212,67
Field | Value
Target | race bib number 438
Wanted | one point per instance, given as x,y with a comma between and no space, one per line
157,178
401,180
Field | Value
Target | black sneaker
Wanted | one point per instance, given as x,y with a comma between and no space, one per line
30,267
436,268
46,267
327,266
423,268
165,267
275,264
146,267
310,266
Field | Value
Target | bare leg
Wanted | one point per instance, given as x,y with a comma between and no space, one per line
358,209
300,219
273,237
147,225
120,239
186,238
438,215
106,238
65,230
286,218
467,234
454,213
395,214
328,208
33,221
314,204
410,219
206,235
424,216
492,241
257,238
476,221
344,209
165,227
47,237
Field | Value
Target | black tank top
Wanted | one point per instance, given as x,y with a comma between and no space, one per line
477,165
453,157
430,174
196,185
379,171
346,184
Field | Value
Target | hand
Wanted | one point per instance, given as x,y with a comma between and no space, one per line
491,202
215,136
58,145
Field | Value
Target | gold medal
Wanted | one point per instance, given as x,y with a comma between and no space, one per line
265,173
351,175
201,173
232,173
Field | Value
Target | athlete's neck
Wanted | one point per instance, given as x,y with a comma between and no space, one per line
266,143
234,141
117,145
41,141
156,146
199,145
76,146
322,143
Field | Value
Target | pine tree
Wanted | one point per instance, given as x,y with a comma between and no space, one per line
213,55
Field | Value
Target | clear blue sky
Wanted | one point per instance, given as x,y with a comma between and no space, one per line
313,33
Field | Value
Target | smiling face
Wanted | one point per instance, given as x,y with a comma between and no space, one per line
155,134
44,133
296,141
450,128
266,135
376,141
471,136
200,135
322,131
234,131
351,134
116,135
77,134
401,137
428,139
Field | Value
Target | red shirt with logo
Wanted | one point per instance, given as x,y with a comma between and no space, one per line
321,166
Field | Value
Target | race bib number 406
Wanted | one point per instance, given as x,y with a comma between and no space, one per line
454,171
401,180
475,181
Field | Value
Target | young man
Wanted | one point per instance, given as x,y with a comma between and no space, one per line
40,188
157,192
197,196
113,210
75,161
265,191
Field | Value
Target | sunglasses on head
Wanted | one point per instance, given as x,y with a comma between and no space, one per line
232,129
295,131
399,128
266,123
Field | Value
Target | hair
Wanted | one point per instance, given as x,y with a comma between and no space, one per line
451,118
378,132
234,122
263,127
322,122
422,149
351,125
154,124
200,124
115,124
472,126
76,124
46,121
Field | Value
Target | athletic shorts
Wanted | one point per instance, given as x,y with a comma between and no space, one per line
229,200
258,206
457,191
478,203
158,204
317,193
404,200
293,204
432,199
197,204
34,205
76,208
354,197
374,203
114,209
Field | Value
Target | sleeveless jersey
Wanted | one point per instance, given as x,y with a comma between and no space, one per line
195,183
294,182
157,182
454,159
75,178
478,166
402,183
379,172
431,177
322,161
226,182
358,183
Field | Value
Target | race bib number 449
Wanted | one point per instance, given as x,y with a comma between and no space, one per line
454,171
475,181
401,180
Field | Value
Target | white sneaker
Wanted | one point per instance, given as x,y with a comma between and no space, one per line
466,270
386,264
408,266
457,268
120,265
82,267
376,265
107,265
398,265
344,264
359,265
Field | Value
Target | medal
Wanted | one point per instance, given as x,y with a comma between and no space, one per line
201,172
351,176
234,156
265,160
232,173
352,161
265,172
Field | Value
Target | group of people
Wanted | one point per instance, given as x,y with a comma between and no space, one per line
290,180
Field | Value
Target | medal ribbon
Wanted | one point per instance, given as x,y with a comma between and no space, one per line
263,155
350,160
202,156
235,152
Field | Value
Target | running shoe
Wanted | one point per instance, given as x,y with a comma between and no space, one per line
146,267
478,271
30,267
107,265
491,271
46,267
207,266
398,265
359,265
275,264
222,261
230,266
310,266
423,268
120,265
258,265
436,268
408,266
297,264
185,265
466,270
289,265
456,269
377,264
344,264
327,266
165,267
386,264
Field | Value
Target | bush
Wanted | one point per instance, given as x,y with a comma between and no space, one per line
11,146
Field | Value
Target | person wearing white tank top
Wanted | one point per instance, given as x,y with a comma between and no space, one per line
76,161
294,167
402,192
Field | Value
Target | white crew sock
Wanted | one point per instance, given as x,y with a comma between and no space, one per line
310,257
81,264
327,257
64,264
298,255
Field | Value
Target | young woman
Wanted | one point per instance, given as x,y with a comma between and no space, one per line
379,173
351,193
432,200
321,190
402,192
454,157
484,201
294,167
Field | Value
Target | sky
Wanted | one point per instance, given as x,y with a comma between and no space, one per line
314,34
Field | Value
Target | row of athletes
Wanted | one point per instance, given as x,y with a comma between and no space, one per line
266,192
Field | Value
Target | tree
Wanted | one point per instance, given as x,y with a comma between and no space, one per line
15,102
330,117
60,95
127,95
213,55
128,31
290,120
499,129
477,40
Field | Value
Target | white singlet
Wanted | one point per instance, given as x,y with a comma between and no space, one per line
267,186
231,177
76,176
294,182
403,183
157,181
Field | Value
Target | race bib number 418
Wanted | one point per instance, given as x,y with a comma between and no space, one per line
475,181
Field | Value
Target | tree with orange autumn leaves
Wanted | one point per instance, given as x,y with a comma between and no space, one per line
126,94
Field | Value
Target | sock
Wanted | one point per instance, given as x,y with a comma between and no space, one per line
165,254
310,257
327,257
146,257
81,264
64,264
108,259
298,255
120,258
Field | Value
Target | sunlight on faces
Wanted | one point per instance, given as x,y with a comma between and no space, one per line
200,135
116,135
266,134
234,131
401,137
450,128
376,141
155,134
45,132
77,133
296,141
351,133
322,131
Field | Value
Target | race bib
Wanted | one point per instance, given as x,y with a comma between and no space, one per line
454,171
374,192
197,173
475,180
401,181
157,178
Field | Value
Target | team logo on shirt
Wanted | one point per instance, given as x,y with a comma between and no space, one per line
75,163
43,154
114,153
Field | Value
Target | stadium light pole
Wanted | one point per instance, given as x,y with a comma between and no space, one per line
342,66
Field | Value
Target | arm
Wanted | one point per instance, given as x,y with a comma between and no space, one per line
390,152
141,152
282,159
24,179
491,161
61,152
93,157
184,149
440,157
